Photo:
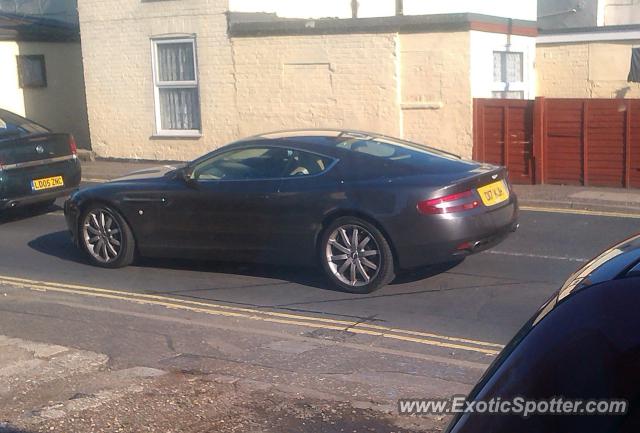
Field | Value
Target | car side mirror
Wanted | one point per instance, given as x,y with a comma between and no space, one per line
187,175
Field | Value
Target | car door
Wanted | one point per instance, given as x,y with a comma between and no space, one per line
233,202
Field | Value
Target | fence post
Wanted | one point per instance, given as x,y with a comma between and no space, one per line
627,145
585,143
476,139
505,133
539,132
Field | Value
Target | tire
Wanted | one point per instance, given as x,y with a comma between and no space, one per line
106,237
346,267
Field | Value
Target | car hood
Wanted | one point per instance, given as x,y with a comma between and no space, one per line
148,173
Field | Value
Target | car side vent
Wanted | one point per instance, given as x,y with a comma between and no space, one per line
634,271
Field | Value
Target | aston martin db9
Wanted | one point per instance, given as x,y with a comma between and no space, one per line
360,205
36,165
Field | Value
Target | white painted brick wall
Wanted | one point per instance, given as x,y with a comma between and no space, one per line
252,85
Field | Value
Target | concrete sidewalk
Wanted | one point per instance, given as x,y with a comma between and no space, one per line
546,196
620,200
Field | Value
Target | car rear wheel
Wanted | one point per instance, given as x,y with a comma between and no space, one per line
106,237
356,256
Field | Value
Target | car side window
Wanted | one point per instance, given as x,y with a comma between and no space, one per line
253,163
307,164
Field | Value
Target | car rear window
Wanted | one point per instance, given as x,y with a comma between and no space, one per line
404,152
14,125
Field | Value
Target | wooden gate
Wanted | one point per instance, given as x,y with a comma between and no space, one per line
590,141
561,141
503,135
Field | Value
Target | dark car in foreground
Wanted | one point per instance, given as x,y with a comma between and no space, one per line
361,205
583,344
36,165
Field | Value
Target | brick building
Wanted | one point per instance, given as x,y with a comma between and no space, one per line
585,51
173,79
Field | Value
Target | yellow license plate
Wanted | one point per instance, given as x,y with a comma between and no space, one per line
494,193
47,183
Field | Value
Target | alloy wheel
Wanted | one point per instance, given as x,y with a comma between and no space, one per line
353,255
102,235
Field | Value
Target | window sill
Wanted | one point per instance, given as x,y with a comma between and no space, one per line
185,136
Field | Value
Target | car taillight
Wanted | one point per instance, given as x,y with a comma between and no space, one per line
449,203
72,145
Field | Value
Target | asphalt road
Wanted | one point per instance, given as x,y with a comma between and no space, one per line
429,334
486,297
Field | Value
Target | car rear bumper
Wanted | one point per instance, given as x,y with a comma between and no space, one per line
442,238
27,200
15,183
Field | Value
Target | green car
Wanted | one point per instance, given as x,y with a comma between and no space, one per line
36,165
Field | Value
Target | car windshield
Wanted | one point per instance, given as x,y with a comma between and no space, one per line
12,125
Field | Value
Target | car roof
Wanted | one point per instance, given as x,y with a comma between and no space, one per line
324,140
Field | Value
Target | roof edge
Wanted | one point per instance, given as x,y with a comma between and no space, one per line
271,25
592,29
29,28
590,34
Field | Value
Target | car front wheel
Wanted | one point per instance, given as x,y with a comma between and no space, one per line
356,256
106,237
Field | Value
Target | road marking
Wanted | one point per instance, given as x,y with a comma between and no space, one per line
580,212
538,256
480,364
425,338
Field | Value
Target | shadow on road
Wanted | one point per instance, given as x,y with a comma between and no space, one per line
23,213
58,244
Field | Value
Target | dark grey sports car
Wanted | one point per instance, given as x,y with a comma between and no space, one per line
361,205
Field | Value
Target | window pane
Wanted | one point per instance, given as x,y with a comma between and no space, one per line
31,71
497,67
507,67
176,62
514,67
307,164
509,94
246,164
179,109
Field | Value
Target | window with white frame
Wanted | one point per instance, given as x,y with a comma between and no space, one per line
175,77
508,74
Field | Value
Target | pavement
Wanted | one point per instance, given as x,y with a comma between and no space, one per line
601,199
57,388
580,198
